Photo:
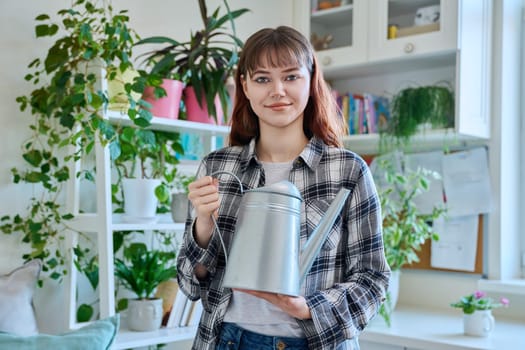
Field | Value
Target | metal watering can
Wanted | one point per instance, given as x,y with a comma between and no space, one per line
265,252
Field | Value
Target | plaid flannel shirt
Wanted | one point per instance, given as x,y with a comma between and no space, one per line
348,279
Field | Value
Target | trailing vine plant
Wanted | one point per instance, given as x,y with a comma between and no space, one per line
67,105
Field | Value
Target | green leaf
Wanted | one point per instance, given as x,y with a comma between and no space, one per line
33,157
162,193
84,313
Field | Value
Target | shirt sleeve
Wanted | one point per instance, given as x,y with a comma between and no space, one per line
190,254
342,311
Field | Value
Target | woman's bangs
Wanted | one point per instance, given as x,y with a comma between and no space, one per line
276,56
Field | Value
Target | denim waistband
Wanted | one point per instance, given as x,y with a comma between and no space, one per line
232,334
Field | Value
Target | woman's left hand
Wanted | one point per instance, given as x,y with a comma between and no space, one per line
293,306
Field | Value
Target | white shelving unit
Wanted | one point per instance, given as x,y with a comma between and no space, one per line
103,222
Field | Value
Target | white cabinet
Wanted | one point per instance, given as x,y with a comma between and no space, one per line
393,33
103,222
346,24
385,50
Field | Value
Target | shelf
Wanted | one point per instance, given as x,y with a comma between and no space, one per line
409,31
429,140
334,16
165,124
389,66
127,339
163,222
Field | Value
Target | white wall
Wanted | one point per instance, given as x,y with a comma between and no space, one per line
19,47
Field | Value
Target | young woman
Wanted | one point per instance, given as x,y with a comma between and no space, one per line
285,125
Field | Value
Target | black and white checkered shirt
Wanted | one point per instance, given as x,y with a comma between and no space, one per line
348,279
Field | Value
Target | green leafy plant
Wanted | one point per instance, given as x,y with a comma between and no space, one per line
479,301
205,61
413,107
148,154
67,105
405,228
142,270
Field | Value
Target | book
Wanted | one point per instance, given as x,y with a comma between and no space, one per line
188,309
177,310
167,291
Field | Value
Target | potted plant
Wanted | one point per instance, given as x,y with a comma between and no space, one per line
146,167
419,107
141,271
204,62
477,312
405,227
179,197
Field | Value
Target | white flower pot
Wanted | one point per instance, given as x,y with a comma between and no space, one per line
144,315
140,202
393,288
478,324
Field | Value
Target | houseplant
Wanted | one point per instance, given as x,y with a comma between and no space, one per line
413,108
478,301
205,61
67,109
141,271
405,228
477,312
146,167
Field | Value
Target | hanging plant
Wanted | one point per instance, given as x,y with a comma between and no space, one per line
415,107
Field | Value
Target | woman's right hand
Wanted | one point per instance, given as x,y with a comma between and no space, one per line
204,197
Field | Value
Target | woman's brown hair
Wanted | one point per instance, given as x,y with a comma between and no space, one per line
281,47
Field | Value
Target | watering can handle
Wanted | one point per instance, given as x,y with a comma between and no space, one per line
231,174
213,217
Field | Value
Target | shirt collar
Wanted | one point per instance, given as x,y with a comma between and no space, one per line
311,154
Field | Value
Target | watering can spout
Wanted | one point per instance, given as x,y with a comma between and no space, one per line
313,245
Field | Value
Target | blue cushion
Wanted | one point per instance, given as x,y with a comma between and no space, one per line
98,335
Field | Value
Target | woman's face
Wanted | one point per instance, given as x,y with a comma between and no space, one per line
278,96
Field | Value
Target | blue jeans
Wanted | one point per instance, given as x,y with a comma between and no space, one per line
236,338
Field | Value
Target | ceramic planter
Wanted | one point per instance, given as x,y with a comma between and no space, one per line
478,324
144,315
179,207
393,288
196,113
140,202
168,106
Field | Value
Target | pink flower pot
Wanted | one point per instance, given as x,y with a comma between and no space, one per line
196,113
168,106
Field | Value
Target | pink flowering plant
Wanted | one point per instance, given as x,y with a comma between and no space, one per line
479,301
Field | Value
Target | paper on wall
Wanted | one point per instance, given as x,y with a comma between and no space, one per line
457,245
466,182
